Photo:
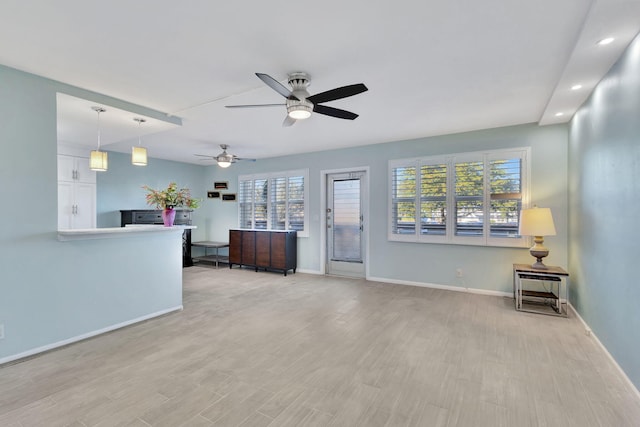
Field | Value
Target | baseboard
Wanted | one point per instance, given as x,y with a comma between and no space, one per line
589,332
77,338
444,287
302,270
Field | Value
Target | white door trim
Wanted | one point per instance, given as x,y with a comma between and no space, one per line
323,214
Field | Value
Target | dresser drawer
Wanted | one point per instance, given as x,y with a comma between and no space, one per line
147,218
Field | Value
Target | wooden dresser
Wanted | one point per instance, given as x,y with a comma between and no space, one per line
266,249
149,216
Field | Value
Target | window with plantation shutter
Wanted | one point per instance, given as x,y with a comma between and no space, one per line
506,196
245,206
296,203
433,199
403,188
466,198
469,198
279,203
260,191
275,201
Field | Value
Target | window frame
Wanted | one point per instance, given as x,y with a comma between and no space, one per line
450,160
269,177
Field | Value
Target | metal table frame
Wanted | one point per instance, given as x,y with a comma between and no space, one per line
206,244
526,300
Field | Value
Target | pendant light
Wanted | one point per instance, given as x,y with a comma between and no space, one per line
139,153
98,160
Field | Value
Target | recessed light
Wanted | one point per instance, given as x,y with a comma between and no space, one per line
576,87
605,41
559,114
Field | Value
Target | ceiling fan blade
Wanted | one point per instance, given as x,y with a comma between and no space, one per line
337,93
206,156
288,121
254,105
277,86
244,159
334,112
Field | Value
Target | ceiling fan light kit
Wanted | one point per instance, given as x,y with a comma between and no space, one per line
300,104
300,111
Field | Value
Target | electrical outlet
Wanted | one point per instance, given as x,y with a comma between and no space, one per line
459,272
1,331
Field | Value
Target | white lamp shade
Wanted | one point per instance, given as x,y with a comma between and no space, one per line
537,222
224,164
139,156
98,161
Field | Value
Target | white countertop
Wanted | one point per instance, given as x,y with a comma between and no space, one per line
118,232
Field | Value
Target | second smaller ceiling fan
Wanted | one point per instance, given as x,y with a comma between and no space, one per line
224,159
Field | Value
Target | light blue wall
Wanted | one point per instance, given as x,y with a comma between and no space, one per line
120,187
29,102
484,268
604,208
52,291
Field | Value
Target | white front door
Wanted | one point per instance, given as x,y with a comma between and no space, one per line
345,224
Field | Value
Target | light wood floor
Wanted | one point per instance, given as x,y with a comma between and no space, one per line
260,349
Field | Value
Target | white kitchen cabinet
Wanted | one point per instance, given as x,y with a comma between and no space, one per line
75,169
76,193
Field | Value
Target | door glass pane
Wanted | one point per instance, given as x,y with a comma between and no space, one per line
346,220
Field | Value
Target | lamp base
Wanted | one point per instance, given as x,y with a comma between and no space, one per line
538,251
538,265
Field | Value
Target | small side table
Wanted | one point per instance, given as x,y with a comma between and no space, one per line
548,297
206,244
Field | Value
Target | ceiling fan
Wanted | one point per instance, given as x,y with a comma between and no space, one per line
224,159
300,104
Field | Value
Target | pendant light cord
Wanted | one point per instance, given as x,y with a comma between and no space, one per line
98,110
140,122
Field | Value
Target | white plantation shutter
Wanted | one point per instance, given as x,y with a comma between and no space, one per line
433,199
245,207
260,197
403,200
276,201
279,203
467,198
506,197
295,203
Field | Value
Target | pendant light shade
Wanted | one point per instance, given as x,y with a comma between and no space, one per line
98,161
139,156
139,153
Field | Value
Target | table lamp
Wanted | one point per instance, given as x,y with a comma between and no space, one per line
537,222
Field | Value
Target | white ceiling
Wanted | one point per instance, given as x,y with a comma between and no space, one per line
432,67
